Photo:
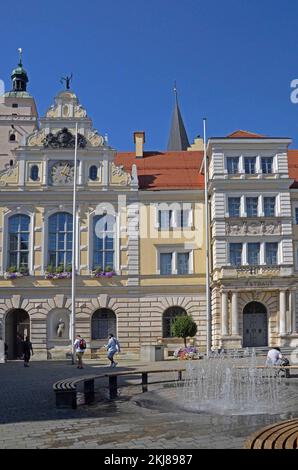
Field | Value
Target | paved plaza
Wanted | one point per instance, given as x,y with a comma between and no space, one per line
29,418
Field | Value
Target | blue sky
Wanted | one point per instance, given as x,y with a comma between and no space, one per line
233,61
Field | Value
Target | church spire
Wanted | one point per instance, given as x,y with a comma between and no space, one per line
178,139
19,76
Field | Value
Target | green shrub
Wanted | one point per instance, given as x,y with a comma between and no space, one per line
60,269
183,327
12,269
51,269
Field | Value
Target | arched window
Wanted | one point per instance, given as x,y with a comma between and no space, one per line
18,241
169,316
93,173
103,323
12,137
34,172
60,239
104,241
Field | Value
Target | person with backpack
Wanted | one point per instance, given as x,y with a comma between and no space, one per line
113,347
79,347
27,350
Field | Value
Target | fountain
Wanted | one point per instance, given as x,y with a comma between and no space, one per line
223,385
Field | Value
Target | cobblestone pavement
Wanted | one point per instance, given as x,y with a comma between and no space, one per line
29,419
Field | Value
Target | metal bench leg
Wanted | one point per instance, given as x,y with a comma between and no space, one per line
66,399
144,382
287,373
89,391
113,386
179,375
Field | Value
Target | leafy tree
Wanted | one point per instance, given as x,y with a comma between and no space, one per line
183,326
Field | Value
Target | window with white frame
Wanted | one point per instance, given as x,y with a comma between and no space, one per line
183,218
267,165
271,252
250,165
18,241
165,219
60,239
234,206
182,263
269,206
251,206
166,263
232,165
253,253
176,261
104,230
235,254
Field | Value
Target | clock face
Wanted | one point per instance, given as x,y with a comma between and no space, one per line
62,173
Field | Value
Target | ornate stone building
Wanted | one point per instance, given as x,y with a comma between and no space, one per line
253,276
139,238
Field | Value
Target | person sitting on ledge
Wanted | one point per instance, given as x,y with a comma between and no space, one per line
274,357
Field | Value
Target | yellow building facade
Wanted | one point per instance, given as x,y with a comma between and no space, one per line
140,249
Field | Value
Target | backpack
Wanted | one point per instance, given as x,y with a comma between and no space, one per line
285,362
82,344
117,345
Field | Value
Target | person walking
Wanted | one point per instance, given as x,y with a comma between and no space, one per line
113,347
27,350
79,346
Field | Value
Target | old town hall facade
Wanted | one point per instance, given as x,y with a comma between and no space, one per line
140,238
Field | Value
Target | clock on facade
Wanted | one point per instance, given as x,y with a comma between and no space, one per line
62,173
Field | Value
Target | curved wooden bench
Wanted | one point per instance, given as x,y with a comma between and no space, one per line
282,435
66,391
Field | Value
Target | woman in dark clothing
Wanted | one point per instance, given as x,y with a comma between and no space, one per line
27,349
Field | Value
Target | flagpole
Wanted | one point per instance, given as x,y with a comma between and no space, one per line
74,250
207,243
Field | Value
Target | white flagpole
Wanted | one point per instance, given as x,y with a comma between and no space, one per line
74,249
207,243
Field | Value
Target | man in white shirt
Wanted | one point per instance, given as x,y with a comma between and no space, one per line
274,357
113,347
79,346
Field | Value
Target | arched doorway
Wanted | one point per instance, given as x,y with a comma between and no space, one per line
103,323
255,325
169,316
17,322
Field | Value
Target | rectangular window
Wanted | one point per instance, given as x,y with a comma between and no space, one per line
183,218
271,253
234,206
166,263
233,165
269,206
250,165
267,165
296,215
253,253
165,219
235,254
251,206
183,263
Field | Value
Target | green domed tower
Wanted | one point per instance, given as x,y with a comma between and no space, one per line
19,76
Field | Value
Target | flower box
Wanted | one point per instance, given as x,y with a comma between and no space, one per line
103,274
186,353
64,275
15,275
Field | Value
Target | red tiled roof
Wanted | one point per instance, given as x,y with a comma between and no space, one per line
240,134
293,167
165,170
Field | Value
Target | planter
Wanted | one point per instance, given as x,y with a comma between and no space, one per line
16,275
186,353
64,275
103,274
